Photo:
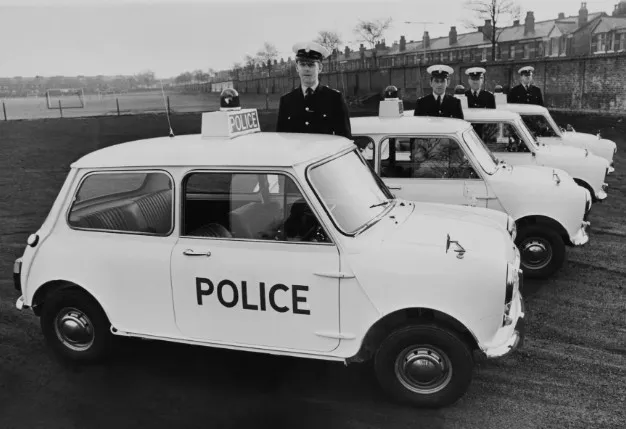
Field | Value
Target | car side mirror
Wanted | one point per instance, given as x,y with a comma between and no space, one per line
570,128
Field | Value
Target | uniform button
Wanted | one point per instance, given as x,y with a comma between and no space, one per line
306,108
306,123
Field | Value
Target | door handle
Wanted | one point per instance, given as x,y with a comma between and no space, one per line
397,187
190,252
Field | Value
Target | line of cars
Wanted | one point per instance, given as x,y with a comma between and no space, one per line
304,245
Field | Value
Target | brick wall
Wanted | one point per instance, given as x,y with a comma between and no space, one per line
592,83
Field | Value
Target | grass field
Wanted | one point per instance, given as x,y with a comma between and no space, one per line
130,103
571,372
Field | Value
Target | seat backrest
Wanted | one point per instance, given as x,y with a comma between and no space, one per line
254,220
156,209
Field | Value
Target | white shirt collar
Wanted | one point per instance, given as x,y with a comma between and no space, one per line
314,87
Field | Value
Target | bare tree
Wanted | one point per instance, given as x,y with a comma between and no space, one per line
330,40
370,32
495,10
268,55
250,62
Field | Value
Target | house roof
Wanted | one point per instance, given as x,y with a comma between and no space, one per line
609,24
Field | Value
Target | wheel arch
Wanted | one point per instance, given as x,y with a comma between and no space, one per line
587,186
404,317
53,286
545,221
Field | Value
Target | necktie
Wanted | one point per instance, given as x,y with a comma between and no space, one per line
475,94
309,92
439,100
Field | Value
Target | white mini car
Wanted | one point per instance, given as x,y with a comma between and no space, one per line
541,123
443,160
184,239
508,137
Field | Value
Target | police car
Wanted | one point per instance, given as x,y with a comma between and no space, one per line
541,123
185,239
507,136
443,160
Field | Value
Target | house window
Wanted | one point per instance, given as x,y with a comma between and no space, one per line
498,52
526,50
555,46
512,52
484,54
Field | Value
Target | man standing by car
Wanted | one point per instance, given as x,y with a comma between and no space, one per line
313,107
439,103
525,92
476,95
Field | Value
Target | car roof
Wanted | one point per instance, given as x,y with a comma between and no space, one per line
522,108
493,114
255,149
407,124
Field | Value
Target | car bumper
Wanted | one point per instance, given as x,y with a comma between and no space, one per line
508,338
17,272
582,236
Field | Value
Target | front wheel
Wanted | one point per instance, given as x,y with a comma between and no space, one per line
542,250
75,326
424,365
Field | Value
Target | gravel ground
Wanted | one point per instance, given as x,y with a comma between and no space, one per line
571,372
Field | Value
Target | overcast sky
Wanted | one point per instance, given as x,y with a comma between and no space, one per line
90,37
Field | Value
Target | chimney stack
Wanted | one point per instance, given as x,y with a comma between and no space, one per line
516,23
426,40
529,24
561,15
402,44
452,36
487,30
583,14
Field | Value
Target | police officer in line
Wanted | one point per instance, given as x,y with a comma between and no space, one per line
313,107
476,95
439,103
525,92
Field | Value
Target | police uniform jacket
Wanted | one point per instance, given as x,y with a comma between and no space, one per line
519,94
323,112
450,107
484,100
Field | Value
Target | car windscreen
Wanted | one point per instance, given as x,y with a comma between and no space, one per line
486,158
350,190
541,126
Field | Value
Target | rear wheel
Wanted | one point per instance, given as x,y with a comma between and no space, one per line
542,250
75,326
424,365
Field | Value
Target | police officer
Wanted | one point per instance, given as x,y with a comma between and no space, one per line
313,107
439,103
476,95
525,92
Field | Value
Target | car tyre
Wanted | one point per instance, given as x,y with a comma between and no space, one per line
542,251
75,326
424,365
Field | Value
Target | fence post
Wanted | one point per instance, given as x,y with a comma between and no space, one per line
168,104
60,108
117,101
4,108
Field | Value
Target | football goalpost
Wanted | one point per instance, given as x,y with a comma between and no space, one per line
69,98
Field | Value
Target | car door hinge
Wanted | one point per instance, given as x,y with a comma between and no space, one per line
336,335
336,274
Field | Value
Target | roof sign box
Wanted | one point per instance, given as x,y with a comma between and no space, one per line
230,123
392,106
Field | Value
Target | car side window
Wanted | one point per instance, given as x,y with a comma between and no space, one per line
253,206
539,125
365,145
135,202
425,157
500,137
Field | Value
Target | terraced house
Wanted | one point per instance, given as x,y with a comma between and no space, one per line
565,36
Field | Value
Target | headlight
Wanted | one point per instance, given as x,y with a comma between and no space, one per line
511,227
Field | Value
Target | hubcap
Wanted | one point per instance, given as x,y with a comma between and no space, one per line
74,329
423,369
536,253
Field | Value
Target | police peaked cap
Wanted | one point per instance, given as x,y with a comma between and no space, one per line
311,51
440,70
475,72
526,70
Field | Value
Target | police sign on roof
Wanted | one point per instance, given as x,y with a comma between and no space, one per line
231,123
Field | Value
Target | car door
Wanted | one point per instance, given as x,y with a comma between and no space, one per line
431,169
253,266
505,141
